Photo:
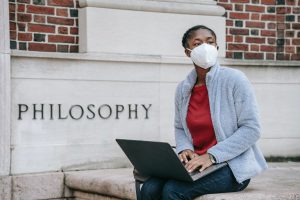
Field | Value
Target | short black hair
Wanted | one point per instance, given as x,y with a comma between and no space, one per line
187,35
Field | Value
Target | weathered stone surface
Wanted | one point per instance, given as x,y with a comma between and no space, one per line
5,187
38,186
108,182
280,181
87,196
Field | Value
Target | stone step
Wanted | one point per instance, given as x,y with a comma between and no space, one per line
280,181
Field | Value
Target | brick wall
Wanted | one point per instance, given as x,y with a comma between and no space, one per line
256,29
262,29
44,25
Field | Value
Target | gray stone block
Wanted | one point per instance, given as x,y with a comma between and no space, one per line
38,186
5,187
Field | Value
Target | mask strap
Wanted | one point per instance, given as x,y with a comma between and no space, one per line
189,49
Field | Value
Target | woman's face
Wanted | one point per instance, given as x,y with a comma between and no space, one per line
199,37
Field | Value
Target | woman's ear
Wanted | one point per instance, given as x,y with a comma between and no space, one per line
187,52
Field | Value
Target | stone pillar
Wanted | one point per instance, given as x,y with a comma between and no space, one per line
4,90
145,27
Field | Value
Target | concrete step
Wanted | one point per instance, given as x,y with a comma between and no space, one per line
280,181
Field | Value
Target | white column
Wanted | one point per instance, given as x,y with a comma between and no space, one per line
4,89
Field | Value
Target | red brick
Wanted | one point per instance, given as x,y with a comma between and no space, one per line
268,2
296,10
61,21
296,42
254,55
238,47
296,26
21,7
295,57
63,30
238,38
39,18
255,16
255,40
254,48
229,22
227,6
287,42
12,17
22,17
25,36
234,15
268,33
13,35
12,7
74,30
65,3
267,17
42,47
271,41
289,33
62,48
271,26
229,38
21,26
61,39
12,26
281,56
270,56
290,49
251,8
239,7
62,12
255,24
229,55
74,49
283,10
280,26
268,48
77,40
240,1
235,31
291,2
280,18
41,28
40,10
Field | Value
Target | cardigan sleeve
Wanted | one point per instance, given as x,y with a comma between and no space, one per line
181,138
248,131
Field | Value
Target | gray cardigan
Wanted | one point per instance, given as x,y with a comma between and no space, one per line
234,116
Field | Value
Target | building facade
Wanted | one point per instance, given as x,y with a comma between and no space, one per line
76,75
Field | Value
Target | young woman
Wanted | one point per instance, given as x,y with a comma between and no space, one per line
216,120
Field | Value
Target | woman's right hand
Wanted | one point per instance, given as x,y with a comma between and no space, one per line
186,155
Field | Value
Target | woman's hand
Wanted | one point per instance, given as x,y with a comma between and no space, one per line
203,161
187,155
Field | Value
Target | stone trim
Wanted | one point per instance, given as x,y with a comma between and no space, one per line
179,7
149,59
4,90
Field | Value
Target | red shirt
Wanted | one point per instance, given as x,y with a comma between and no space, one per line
199,120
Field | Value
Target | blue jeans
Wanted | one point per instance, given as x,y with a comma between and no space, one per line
219,181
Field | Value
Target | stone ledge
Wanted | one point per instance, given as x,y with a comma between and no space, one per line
281,181
206,8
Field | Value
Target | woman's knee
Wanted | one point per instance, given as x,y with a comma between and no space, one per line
173,190
152,189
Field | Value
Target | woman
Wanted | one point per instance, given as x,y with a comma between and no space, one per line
216,120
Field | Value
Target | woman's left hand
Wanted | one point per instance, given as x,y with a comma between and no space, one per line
203,161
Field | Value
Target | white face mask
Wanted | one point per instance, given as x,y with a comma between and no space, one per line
204,55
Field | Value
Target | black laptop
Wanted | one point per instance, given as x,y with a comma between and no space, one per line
158,159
